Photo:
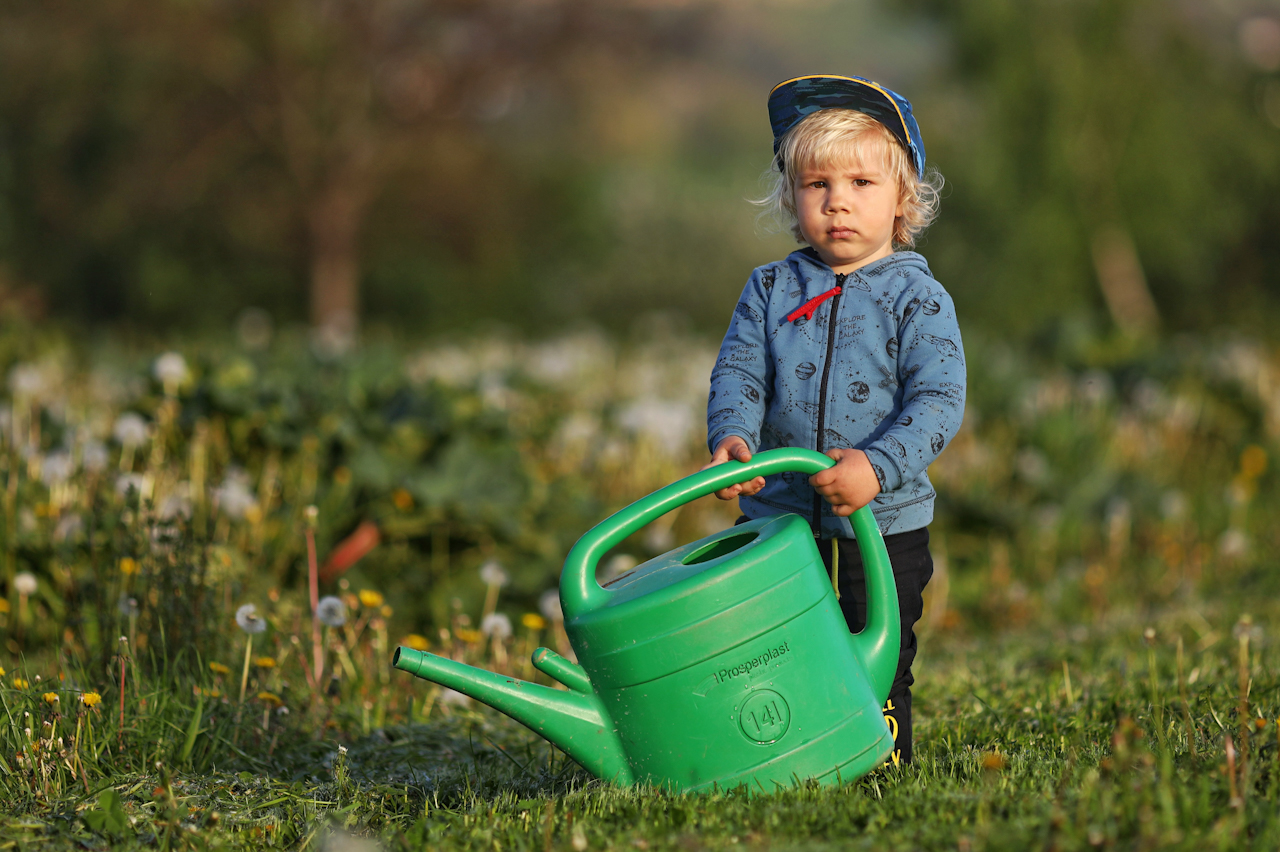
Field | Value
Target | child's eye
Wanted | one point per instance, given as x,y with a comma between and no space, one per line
861,182
818,184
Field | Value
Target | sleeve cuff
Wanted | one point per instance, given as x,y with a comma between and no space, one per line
714,440
886,471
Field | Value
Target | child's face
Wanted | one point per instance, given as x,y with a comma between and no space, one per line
846,208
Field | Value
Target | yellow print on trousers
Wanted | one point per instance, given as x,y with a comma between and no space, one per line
896,755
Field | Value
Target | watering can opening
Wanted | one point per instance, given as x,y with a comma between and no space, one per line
720,547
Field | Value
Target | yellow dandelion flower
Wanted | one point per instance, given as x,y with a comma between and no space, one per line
2,672
533,621
128,566
403,499
51,698
416,641
90,699
270,698
20,683
385,611
219,669
4,606
993,761
370,598
466,634
265,662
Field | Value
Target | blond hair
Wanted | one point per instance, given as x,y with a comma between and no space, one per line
840,135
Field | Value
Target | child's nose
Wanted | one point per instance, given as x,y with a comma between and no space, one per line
838,201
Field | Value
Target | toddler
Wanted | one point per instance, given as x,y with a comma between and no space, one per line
847,346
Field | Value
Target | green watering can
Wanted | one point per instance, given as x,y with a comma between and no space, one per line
724,662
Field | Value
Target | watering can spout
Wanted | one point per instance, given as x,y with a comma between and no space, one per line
574,720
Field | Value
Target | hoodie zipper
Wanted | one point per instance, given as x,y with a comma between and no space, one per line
822,399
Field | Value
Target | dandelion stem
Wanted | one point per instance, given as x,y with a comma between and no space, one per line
313,576
120,732
244,675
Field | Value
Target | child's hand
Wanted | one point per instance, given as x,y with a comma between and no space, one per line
849,485
735,449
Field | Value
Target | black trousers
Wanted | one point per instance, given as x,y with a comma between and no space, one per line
912,568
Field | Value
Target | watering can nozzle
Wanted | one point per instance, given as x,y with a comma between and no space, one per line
575,720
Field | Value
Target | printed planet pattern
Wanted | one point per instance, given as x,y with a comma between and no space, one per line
895,387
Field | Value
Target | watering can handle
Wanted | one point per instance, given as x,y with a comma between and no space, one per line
579,591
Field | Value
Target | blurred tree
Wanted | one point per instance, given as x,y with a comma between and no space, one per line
154,137
1113,141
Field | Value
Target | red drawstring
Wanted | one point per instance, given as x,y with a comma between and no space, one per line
806,310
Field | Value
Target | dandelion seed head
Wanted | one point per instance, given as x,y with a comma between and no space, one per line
549,605
453,698
234,497
94,456
493,574
57,468
130,430
249,620
128,607
331,611
27,380
127,482
69,527
170,369
497,625
24,583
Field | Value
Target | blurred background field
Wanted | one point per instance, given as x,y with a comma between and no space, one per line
409,295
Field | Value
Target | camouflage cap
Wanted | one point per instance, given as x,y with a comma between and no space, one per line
792,100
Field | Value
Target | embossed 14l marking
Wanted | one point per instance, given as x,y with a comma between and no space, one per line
764,717
767,716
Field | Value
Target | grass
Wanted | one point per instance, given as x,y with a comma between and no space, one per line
1109,735
1087,678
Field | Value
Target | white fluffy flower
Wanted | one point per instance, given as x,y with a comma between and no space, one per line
492,574
249,620
331,611
496,624
170,369
130,429
549,604
57,468
127,482
69,527
94,457
27,380
233,496
25,584
127,606
453,698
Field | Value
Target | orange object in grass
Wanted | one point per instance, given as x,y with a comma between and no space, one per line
351,550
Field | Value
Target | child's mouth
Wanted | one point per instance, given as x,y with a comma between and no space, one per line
840,233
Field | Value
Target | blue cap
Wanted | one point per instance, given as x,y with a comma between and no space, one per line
792,100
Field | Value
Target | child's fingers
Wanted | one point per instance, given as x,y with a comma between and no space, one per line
728,493
741,453
752,487
823,478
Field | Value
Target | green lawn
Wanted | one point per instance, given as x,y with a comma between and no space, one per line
1105,522
1131,753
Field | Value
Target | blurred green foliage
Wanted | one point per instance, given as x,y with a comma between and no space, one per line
166,164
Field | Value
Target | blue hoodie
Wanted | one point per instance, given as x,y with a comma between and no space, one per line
878,366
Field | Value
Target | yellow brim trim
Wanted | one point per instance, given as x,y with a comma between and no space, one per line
905,131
